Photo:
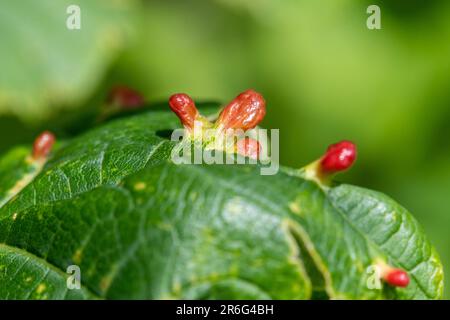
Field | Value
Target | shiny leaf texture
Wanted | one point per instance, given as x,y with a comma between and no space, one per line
111,202
44,64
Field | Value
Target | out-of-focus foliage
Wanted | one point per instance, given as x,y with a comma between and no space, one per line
44,65
325,77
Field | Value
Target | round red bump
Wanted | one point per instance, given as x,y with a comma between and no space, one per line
397,278
244,112
339,156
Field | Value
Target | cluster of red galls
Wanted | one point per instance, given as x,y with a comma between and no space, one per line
244,112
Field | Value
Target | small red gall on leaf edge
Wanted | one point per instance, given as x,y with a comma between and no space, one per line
339,157
244,112
396,278
126,97
184,107
248,147
43,145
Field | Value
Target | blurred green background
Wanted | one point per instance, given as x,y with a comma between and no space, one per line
324,74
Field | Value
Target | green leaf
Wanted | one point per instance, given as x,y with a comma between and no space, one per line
138,226
394,231
33,278
46,66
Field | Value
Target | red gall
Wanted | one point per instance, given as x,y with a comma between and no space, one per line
184,107
43,145
125,97
339,157
248,147
396,278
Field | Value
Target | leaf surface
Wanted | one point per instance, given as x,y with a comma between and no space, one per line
139,226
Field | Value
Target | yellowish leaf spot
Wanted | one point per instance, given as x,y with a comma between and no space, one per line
77,256
165,226
176,287
294,206
139,186
41,288
214,276
234,206
193,196
105,282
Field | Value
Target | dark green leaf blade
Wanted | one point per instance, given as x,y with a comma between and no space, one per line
139,226
395,231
